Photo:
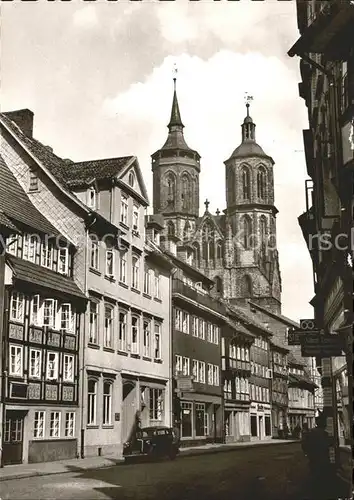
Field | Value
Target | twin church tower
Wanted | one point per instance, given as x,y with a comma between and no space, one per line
236,248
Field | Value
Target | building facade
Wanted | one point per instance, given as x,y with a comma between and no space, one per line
41,332
326,52
279,390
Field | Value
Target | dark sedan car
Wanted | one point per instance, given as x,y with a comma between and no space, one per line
153,442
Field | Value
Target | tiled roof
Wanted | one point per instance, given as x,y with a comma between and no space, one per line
292,358
281,317
5,222
32,273
247,317
301,381
16,206
44,154
277,343
85,172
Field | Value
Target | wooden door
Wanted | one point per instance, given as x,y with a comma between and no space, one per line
13,439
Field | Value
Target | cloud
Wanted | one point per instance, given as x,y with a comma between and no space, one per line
85,17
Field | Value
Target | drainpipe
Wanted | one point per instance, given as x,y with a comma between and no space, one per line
3,323
83,349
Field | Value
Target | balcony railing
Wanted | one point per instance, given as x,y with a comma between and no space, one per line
186,290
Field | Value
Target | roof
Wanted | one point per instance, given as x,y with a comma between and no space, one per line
247,149
296,360
281,317
85,172
301,381
247,317
32,273
16,206
277,343
5,222
175,113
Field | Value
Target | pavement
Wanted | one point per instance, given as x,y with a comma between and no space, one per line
274,471
12,472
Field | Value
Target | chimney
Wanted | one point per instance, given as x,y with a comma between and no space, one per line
23,119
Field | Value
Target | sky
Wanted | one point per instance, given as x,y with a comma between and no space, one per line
98,77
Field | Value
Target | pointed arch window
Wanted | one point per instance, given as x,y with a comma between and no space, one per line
171,229
247,231
208,242
196,252
186,231
219,251
185,191
261,183
246,286
246,183
263,230
171,188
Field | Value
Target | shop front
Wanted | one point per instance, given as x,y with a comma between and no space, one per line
237,423
260,422
201,419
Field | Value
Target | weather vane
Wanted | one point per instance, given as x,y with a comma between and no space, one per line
248,98
175,71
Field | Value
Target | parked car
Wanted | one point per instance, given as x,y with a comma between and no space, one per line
153,442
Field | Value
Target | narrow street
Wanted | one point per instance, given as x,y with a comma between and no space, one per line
270,473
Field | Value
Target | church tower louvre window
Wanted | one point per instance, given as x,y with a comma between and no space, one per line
246,183
261,183
247,231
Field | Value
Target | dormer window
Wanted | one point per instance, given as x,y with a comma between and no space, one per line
63,261
12,244
92,198
131,179
47,255
33,182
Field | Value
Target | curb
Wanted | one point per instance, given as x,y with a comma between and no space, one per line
116,462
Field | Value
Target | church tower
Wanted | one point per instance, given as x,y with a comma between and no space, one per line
176,169
251,213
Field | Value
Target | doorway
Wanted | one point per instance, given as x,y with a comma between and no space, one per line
13,438
129,408
260,427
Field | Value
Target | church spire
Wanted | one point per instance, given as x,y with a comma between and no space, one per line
175,120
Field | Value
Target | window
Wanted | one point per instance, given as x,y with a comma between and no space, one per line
131,179
135,272
185,191
12,244
185,322
108,325
17,306
216,334
135,217
94,253
29,247
33,182
63,261
227,389
157,349
93,328
185,366
178,319
201,329
263,230
70,424
146,340
195,327
157,285
261,181
135,335
156,404
210,335
124,210
186,419
107,403
54,430
216,380
109,261
178,364
247,232
67,323
47,255
123,267
91,401
35,363
122,335
201,372
49,312
16,361
246,287
68,374
147,284
52,365
171,189
39,423
92,198
210,374
246,183
171,228
199,419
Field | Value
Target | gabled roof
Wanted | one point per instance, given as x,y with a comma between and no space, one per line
214,220
32,273
84,172
16,206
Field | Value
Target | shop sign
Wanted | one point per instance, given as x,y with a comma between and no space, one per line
185,383
324,346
